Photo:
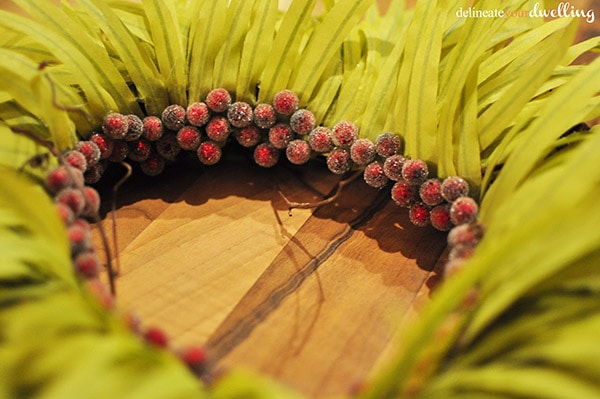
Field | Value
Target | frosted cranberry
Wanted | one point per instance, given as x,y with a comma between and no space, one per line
240,114
135,128
266,155
75,159
153,128
320,140
188,138
218,100
339,161
218,128
419,214
464,210
87,264
104,143
198,114
302,121
281,135
440,217
153,166
248,136
139,150
414,171
374,175
430,192
454,187
298,152
173,117
404,194
285,102
264,116
90,151
344,133
73,198
119,152
115,126
362,151
388,144
392,166
209,153
466,234
167,147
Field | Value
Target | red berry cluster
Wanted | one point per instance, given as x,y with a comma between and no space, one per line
462,241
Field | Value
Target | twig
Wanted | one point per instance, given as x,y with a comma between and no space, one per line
309,205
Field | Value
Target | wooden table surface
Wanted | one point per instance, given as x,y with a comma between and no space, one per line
212,256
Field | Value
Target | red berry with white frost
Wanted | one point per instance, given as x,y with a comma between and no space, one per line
90,151
298,152
388,144
94,173
344,133
153,166
419,214
464,210
188,138
266,155
440,217
281,135
209,153
320,139
466,234
136,127
264,116
404,194
167,147
248,136
302,121
87,264
115,126
152,128
104,143
173,117
139,150
218,100
240,114
58,179
374,175
363,151
73,198
218,128
119,152
430,192
454,187
392,166
414,171
75,159
65,213
157,337
92,201
197,114
339,161
285,102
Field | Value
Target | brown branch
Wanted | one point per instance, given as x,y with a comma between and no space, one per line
310,205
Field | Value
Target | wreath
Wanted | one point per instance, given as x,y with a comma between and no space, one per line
477,124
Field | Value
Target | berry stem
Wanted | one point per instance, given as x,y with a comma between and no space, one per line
310,205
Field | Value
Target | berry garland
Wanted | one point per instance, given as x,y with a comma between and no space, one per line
204,128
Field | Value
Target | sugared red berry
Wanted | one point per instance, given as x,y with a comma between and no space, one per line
388,144
58,179
264,116
344,133
362,151
76,159
285,102
454,187
461,252
87,264
266,155
139,150
157,337
198,114
302,121
414,171
73,198
79,238
464,210
115,126
240,114
392,166
153,166
320,140
136,127
119,152
419,214
281,135
104,143
440,217
92,201
90,151
167,147
466,234
188,138
195,358
65,213
173,117
94,173
248,136
339,161
209,153
374,175
298,152
218,128
430,192
404,194
153,128
218,100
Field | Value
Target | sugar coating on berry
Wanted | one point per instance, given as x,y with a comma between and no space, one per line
197,114
461,252
173,117
167,147
430,192
92,201
281,135
415,171
188,138
115,125
218,100
339,161
374,175
344,133
194,357
298,152
104,143
79,239
285,102
440,217
90,151
119,152
392,166
73,198
264,116
362,151
419,214
136,127
454,187
388,144
248,136
58,179
209,153
153,166
320,139
65,213
466,234
266,155
464,210
218,128
157,337
302,121
76,159
87,264
152,128
404,194
240,114
139,150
